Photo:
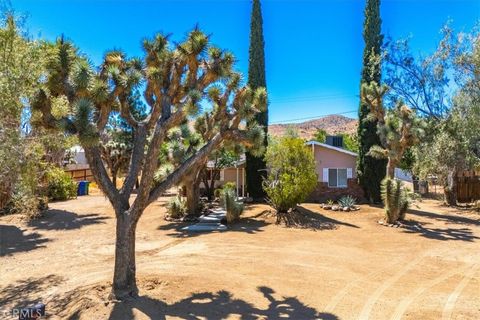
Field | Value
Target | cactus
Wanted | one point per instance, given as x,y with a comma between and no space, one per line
397,199
233,207
176,207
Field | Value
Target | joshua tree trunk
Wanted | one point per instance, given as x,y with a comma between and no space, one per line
193,196
192,187
391,168
124,281
450,189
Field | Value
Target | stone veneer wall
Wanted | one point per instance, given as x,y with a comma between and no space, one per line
322,192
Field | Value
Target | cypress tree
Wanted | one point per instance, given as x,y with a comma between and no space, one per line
370,171
255,168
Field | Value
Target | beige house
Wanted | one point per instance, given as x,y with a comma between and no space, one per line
234,174
335,167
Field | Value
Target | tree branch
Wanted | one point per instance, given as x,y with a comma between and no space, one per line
136,160
100,173
202,155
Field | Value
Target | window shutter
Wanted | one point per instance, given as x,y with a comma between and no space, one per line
222,174
325,175
349,173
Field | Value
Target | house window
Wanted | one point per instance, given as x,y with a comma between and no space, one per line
337,178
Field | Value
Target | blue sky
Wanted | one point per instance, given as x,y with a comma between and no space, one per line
313,48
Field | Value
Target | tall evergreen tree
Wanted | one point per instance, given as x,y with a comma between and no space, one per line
370,171
256,79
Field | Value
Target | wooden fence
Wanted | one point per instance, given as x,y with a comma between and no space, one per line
468,187
80,174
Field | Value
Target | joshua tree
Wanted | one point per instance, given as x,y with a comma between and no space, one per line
175,79
399,128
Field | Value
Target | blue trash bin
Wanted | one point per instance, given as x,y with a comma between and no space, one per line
82,188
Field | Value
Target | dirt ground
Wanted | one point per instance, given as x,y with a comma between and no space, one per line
343,265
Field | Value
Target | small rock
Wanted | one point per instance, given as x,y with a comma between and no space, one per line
335,208
327,207
346,209
390,225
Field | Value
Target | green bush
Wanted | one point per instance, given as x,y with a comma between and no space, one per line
234,208
60,185
23,202
176,207
291,177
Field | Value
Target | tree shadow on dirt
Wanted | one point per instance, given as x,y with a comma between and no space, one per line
27,292
304,218
14,239
447,218
245,225
444,234
65,220
218,305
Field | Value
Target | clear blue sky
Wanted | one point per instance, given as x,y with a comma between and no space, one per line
313,48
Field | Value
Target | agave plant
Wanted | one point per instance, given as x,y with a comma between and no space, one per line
347,201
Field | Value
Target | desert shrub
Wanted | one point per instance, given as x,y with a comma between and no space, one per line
234,208
176,207
347,201
60,185
397,199
291,176
29,205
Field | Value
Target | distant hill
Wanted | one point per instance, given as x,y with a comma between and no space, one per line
331,124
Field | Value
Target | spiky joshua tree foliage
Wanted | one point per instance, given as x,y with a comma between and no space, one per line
174,80
398,128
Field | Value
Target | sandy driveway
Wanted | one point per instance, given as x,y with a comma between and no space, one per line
346,266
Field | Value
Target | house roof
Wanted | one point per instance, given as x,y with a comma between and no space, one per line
316,143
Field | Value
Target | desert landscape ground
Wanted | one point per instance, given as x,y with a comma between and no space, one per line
340,265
